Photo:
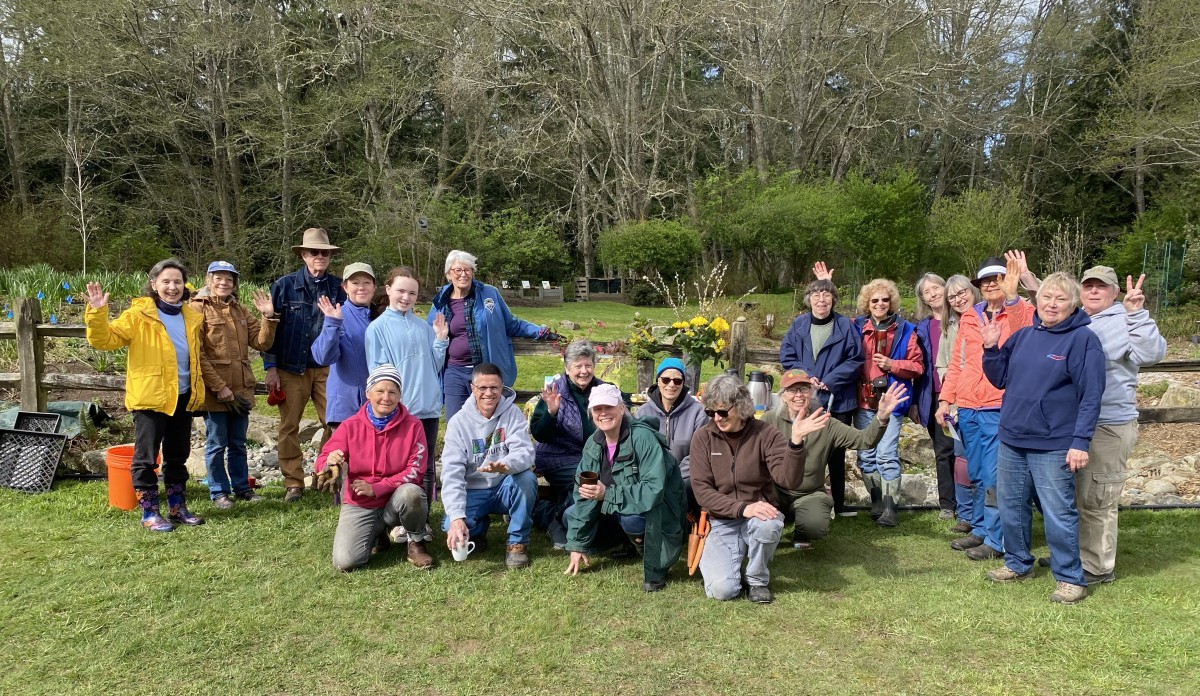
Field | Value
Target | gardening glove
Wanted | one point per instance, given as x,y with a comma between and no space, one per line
238,405
547,335
327,479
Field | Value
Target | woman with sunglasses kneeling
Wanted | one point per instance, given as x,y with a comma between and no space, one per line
736,463
679,416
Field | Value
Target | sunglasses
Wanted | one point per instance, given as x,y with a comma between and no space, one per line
722,412
881,300
318,252
677,381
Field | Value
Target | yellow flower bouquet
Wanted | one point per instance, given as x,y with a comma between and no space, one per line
701,339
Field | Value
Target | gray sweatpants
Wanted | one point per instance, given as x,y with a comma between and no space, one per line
358,527
729,544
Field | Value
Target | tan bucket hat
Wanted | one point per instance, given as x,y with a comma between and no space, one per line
315,238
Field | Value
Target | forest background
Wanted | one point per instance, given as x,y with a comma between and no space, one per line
887,138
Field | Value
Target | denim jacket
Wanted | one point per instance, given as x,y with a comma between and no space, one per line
300,319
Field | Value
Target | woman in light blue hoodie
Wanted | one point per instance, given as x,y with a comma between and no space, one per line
417,350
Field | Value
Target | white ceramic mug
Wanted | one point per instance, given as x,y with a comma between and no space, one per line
461,551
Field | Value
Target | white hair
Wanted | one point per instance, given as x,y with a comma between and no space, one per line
460,256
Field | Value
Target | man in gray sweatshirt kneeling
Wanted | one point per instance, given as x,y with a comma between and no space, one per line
487,465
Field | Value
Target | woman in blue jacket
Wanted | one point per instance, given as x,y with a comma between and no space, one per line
481,330
825,344
1053,377
340,345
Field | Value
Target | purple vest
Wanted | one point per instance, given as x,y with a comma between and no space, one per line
566,449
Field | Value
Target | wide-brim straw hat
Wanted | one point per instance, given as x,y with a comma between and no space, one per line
315,238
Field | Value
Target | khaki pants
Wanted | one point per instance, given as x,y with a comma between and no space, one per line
299,389
1098,492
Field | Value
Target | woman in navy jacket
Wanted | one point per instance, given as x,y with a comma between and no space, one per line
825,344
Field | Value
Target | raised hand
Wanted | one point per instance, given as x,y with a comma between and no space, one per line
441,330
888,400
821,272
262,302
1134,299
1017,256
990,331
801,427
97,298
329,309
551,398
1014,261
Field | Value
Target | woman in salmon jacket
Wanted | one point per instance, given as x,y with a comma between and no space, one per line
163,383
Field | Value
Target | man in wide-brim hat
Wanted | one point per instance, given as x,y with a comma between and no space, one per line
289,363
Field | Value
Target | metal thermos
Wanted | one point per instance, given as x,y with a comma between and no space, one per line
761,385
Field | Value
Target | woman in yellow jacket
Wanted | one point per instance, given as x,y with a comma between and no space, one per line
163,383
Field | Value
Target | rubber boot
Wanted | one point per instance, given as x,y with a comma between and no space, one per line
151,518
177,506
874,484
891,493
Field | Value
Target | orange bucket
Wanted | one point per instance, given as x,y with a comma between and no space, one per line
119,460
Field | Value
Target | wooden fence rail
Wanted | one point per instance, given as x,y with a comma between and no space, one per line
33,381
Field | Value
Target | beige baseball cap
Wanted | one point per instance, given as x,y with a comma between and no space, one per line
360,267
1104,273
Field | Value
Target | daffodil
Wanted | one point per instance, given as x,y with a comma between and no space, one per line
699,321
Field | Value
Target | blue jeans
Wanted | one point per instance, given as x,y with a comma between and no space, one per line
456,387
226,447
1021,472
884,457
980,433
562,487
633,525
513,497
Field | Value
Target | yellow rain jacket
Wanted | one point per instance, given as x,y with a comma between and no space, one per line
152,377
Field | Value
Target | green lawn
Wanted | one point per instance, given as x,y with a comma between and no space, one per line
250,604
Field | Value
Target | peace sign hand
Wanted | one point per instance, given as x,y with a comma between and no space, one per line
97,298
1134,299
990,332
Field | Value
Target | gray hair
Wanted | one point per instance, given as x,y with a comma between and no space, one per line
579,348
1064,282
957,283
157,269
729,390
923,308
459,256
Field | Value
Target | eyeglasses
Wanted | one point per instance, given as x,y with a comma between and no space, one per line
711,412
795,391
462,271
960,295
485,390
677,381
990,280
318,252
881,300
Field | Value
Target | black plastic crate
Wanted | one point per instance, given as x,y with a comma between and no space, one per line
37,422
29,459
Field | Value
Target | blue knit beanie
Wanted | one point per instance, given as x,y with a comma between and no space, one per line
670,364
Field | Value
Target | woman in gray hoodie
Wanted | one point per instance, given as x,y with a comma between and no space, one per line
679,416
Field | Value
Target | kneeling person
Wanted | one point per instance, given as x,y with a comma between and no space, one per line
383,452
810,505
628,483
487,467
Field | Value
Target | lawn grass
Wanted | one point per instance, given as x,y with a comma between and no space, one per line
249,603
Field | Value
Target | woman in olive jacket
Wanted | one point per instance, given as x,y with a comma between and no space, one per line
228,333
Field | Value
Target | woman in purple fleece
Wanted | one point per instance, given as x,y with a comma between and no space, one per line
1053,377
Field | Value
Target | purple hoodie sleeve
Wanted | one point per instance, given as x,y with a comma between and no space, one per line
1087,371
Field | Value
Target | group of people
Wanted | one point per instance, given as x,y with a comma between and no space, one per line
1012,393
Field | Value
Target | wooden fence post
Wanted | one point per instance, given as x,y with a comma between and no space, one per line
30,354
645,374
737,347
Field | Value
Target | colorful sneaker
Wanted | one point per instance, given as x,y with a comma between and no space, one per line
177,506
1066,593
151,518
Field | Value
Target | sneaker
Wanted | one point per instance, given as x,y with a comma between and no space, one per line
947,515
654,586
418,556
1006,574
961,527
248,495
223,502
293,495
398,535
1093,579
968,542
1066,593
845,512
558,535
761,594
983,552
800,544
515,556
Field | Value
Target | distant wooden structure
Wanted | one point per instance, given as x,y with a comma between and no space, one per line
599,289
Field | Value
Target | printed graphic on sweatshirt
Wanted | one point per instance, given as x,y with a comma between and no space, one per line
488,449
1052,356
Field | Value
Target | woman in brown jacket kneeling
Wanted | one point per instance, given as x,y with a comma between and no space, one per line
736,463
229,331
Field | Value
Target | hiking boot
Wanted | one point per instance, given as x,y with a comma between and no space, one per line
654,586
961,527
947,515
1093,579
248,495
515,556
639,544
983,552
1066,593
418,556
223,502
760,594
558,534
970,541
151,518
1006,574
382,543
293,495
177,507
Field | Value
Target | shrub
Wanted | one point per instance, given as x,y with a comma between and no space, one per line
665,246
